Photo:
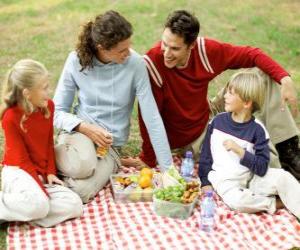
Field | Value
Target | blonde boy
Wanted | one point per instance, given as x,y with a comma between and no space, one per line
235,154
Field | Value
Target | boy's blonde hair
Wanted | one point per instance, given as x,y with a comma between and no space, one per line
25,74
249,85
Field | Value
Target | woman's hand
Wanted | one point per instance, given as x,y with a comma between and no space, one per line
52,179
100,136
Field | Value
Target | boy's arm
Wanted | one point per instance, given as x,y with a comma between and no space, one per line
257,162
225,56
206,160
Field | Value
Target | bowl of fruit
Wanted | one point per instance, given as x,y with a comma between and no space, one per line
176,200
133,187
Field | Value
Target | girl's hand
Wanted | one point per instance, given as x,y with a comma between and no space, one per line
52,179
230,145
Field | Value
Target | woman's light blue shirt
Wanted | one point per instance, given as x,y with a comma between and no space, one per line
105,96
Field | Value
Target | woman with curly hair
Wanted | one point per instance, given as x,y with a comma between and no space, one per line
105,75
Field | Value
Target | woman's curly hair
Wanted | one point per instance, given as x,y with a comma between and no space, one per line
107,30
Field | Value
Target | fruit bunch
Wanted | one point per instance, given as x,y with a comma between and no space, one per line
136,187
124,181
145,178
179,194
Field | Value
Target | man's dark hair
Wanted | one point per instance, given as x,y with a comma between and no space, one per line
183,24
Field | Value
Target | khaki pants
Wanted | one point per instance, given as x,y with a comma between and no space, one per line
260,194
83,172
280,124
22,199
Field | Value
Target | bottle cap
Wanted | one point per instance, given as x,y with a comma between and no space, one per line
188,154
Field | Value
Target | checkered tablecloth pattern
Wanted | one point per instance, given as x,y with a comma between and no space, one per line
108,225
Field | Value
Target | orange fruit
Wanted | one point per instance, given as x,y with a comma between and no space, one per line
145,181
147,171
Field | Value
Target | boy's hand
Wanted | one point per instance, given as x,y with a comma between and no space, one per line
206,188
230,145
52,179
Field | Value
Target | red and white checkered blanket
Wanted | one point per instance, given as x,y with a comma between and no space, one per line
107,225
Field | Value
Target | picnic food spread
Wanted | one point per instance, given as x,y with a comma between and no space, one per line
172,195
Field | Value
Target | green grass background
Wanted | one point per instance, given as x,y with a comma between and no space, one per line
47,31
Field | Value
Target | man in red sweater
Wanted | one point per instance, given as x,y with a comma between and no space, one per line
181,67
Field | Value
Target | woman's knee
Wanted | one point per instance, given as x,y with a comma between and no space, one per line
75,162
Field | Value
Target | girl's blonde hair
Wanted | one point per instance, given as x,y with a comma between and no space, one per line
249,85
25,74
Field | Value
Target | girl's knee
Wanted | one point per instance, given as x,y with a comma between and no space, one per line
73,205
38,207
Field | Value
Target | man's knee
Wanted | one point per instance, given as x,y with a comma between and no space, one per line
76,157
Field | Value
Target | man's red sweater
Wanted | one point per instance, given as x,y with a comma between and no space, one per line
31,150
181,93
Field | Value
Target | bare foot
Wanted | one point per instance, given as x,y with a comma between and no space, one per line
279,204
132,162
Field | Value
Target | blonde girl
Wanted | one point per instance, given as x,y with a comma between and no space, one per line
31,190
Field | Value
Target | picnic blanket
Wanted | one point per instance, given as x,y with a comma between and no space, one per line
108,225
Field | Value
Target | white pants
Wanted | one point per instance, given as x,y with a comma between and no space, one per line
259,194
22,199
83,172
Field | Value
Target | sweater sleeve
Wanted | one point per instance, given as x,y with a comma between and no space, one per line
258,162
224,56
51,168
16,148
151,117
147,154
206,160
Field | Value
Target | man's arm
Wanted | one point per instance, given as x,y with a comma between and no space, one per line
224,56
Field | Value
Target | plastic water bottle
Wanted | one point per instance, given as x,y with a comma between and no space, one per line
187,166
208,208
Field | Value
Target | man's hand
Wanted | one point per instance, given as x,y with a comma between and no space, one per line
289,94
97,134
52,179
230,145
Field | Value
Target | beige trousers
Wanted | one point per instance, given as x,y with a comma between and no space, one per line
83,172
22,199
260,194
280,124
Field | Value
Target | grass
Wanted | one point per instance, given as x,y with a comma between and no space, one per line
47,30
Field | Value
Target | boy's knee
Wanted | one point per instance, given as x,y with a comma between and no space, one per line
235,200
